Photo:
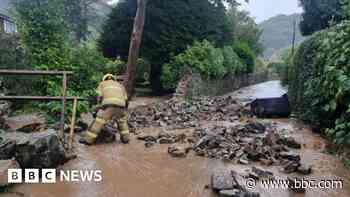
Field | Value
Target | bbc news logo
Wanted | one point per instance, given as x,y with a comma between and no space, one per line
51,176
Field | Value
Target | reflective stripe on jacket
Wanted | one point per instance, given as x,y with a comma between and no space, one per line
113,93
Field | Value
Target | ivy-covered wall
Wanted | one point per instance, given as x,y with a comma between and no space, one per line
319,81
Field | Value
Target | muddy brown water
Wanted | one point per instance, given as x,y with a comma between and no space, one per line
133,170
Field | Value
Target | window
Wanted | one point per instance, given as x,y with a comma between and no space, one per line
9,27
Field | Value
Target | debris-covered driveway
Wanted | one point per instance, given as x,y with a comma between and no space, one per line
179,145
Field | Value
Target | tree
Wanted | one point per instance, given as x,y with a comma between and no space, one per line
245,29
135,43
43,31
77,16
44,36
170,27
320,14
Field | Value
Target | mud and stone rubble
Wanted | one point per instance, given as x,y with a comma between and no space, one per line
35,150
179,114
244,144
164,137
228,183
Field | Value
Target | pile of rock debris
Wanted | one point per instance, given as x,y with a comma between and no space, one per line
178,113
244,144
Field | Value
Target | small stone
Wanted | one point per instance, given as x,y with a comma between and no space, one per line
290,156
249,194
253,155
290,142
256,127
304,169
147,137
271,138
243,161
165,140
266,162
222,180
200,152
262,173
149,144
7,149
290,167
177,151
230,193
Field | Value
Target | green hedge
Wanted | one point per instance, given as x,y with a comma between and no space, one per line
209,61
319,81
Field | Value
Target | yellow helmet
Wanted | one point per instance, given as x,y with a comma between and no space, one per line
107,76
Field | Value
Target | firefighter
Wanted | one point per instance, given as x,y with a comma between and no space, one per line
114,103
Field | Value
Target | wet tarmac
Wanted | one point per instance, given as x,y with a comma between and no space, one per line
133,170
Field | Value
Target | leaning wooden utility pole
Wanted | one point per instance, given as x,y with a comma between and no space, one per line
294,35
135,43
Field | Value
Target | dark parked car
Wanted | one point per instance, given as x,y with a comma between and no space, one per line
271,107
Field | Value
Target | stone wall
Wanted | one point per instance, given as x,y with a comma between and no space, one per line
193,85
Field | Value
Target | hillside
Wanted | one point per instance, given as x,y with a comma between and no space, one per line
278,33
4,7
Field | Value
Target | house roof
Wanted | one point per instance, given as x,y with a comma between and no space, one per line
5,8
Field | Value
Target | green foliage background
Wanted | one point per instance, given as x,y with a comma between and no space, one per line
209,61
169,28
321,14
319,81
48,45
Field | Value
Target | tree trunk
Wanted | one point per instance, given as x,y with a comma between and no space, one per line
134,49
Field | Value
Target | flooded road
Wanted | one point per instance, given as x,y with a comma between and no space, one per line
133,170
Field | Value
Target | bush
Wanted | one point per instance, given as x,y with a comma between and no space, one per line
278,67
143,70
319,81
88,66
203,58
261,65
232,62
246,55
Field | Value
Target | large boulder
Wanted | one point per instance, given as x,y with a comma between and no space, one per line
7,147
25,123
38,150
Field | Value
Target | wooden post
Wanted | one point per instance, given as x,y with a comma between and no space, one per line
72,124
64,95
134,49
294,35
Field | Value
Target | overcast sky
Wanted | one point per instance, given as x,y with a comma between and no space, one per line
265,9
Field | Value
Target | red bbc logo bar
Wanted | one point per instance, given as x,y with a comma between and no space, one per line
31,176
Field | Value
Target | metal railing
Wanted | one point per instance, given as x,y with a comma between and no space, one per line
62,98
